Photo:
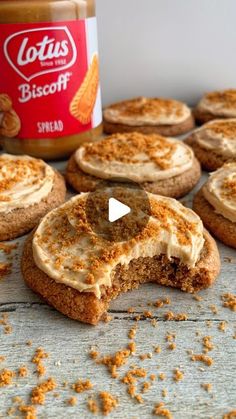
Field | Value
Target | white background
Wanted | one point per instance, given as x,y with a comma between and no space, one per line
175,48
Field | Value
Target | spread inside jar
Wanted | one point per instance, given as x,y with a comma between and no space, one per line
138,157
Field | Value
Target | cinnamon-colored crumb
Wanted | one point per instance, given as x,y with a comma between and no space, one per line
172,346
152,377
8,329
213,308
157,350
132,347
106,318
177,317
39,392
197,297
178,375
37,359
82,385
164,392
2,358
139,398
146,386
161,410
202,358
161,302
222,326
230,415
93,406
93,354
229,301
170,337
23,371
29,411
207,344
132,332
113,362
29,343
109,403
131,310
148,314
145,356
162,376
72,401
6,377
207,387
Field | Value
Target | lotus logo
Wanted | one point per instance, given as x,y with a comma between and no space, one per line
35,52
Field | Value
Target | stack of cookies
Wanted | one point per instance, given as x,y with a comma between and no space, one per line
80,269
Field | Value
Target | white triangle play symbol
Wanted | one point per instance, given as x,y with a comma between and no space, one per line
117,210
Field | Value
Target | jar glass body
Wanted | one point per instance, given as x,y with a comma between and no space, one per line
38,12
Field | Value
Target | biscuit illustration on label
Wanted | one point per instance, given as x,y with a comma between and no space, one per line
83,103
5,102
10,125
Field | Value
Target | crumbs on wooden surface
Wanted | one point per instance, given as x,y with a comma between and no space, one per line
82,385
207,387
72,401
39,355
39,392
23,371
175,317
6,377
229,301
161,410
202,358
178,375
109,403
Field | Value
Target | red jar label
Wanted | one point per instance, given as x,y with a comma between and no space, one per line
49,81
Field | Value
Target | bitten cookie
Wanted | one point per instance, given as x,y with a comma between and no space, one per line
216,105
215,203
79,272
214,143
148,115
160,165
29,188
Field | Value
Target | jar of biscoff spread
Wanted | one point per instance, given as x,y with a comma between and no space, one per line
50,99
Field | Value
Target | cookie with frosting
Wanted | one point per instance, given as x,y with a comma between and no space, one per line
79,272
216,204
148,115
214,143
216,105
29,188
161,165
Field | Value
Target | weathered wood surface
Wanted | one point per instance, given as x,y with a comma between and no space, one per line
69,343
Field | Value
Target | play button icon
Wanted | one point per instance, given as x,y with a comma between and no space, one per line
117,210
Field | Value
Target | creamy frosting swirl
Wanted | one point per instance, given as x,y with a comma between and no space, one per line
219,136
222,103
147,111
220,191
24,181
68,251
138,157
